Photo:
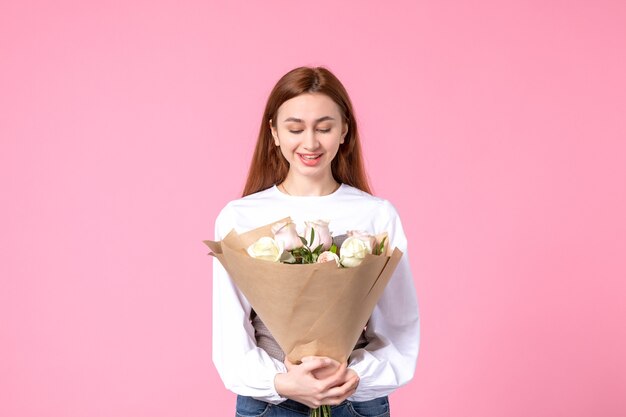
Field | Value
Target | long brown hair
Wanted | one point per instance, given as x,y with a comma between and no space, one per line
269,167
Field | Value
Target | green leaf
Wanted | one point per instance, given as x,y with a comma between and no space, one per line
381,246
303,240
318,249
333,248
312,236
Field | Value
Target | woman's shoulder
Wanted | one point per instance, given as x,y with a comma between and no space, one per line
247,205
253,199
380,211
358,196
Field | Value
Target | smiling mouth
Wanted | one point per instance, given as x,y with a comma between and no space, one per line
310,160
310,157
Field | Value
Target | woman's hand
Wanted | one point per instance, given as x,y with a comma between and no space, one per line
317,381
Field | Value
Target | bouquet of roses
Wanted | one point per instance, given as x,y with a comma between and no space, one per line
314,294
288,247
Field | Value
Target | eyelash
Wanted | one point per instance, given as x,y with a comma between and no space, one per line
319,130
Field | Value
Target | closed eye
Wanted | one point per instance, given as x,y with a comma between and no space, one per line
300,131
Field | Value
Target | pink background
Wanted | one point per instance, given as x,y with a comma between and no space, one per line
498,131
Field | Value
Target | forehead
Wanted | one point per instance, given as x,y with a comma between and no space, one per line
309,107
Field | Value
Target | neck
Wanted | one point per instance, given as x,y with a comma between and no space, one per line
308,188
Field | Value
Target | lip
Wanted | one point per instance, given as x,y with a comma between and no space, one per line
310,162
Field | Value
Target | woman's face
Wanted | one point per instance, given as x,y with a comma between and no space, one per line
309,130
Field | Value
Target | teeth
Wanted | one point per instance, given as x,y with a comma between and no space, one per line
310,157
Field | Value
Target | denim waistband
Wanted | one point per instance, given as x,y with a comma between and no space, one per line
301,408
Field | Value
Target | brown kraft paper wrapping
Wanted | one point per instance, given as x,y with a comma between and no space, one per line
310,309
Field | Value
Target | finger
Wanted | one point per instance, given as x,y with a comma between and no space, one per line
334,362
344,390
340,399
341,369
315,363
334,370
337,378
331,361
288,364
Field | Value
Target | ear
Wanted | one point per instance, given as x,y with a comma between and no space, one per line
344,132
274,133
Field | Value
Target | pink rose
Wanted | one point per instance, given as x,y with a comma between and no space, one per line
285,232
322,234
328,256
368,239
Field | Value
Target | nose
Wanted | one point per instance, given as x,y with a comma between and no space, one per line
310,140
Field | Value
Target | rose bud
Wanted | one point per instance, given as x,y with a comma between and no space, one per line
328,256
285,232
266,249
353,251
322,234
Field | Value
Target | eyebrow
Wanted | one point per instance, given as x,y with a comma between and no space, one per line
294,119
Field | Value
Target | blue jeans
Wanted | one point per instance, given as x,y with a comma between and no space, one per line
249,407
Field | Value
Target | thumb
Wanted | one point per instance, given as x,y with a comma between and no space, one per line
314,363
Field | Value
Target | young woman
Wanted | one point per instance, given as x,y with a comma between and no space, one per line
307,165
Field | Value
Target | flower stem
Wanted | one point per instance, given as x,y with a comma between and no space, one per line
321,411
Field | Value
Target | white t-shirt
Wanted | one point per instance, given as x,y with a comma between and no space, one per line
393,331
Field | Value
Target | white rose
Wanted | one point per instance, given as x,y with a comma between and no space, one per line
328,256
266,249
285,233
321,236
353,251
368,239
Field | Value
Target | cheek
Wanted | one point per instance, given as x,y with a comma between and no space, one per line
333,149
285,151
334,143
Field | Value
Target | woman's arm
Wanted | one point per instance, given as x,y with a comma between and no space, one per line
388,361
244,368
